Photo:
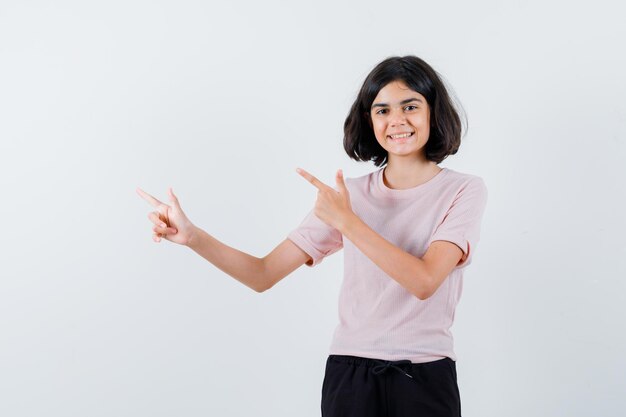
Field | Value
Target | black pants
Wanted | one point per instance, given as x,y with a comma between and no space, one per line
362,387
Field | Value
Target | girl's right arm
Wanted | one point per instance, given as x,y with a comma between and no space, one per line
260,274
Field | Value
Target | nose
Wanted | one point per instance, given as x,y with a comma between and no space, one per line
397,118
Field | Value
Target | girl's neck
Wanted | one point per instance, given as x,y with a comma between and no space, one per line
402,175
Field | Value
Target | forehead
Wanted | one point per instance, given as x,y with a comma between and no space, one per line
395,92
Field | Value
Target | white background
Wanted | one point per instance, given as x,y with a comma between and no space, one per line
222,101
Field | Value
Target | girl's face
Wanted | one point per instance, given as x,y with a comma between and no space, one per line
400,119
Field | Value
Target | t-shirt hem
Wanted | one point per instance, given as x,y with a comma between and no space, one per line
303,244
384,357
460,241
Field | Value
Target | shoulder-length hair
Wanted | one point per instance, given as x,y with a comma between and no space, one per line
359,141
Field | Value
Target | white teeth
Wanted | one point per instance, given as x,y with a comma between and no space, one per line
403,135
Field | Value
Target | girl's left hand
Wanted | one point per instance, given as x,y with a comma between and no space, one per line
332,207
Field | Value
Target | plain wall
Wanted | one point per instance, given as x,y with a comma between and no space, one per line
222,101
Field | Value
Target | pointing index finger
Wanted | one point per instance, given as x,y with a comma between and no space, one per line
153,201
310,178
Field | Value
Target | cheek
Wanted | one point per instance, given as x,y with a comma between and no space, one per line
421,120
379,128
422,124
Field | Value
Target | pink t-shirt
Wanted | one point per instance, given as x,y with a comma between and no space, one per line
378,318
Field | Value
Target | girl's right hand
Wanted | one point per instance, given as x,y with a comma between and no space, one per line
169,221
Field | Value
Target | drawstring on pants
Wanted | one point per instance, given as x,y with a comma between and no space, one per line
384,365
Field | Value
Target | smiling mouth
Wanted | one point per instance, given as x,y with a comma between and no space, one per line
400,136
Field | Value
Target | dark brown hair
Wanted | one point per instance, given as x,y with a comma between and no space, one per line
445,124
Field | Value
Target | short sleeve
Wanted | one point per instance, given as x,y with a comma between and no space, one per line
316,238
462,222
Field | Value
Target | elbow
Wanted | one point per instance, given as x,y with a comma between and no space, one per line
261,281
259,289
424,293
262,286
423,296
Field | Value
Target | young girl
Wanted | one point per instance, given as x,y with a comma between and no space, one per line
407,230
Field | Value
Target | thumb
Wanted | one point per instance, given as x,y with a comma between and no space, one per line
173,198
340,182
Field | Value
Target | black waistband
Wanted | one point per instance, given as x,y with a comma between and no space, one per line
379,366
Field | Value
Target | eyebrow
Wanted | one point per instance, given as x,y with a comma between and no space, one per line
408,100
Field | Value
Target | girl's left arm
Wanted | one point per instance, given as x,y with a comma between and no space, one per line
420,276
